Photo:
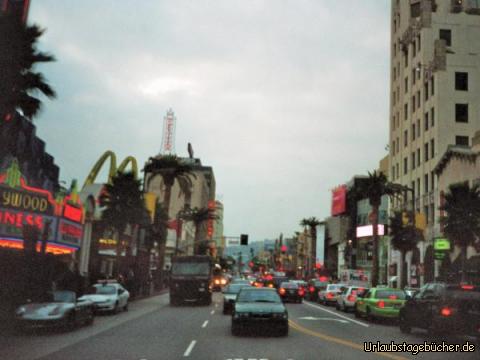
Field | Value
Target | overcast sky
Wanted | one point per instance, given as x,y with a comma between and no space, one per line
284,99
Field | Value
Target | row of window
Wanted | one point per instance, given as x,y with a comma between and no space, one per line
429,122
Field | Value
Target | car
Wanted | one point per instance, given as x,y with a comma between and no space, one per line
108,296
441,307
410,291
59,308
380,302
259,309
290,291
240,281
218,282
313,287
265,281
230,293
328,296
347,298
301,283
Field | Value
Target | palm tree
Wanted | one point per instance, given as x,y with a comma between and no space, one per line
199,217
404,238
373,188
171,169
124,204
18,56
462,220
158,232
312,224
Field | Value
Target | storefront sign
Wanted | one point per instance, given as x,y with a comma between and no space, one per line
441,244
69,233
367,230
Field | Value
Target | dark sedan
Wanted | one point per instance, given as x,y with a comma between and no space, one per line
290,291
261,310
230,294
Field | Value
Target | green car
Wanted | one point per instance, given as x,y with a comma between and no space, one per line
380,302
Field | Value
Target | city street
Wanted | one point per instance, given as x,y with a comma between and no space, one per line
154,330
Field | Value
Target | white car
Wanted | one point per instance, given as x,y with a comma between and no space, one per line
347,298
329,295
108,297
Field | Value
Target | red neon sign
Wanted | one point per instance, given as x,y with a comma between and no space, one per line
51,248
72,213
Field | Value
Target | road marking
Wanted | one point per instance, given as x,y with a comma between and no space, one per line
334,313
212,312
329,319
340,341
190,348
205,324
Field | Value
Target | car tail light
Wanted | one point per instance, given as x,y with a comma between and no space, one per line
301,292
330,295
282,291
468,287
270,285
351,298
311,289
381,304
446,311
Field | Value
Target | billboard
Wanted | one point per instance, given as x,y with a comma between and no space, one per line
339,200
367,230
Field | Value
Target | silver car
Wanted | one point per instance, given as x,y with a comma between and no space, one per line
58,309
108,296
329,295
347,298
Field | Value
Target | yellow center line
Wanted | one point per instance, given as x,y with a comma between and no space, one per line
340,341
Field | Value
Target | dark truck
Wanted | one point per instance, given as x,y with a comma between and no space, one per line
190,280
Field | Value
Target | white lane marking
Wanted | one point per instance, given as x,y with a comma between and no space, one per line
205,324
190,348
334,313
328,319
212,312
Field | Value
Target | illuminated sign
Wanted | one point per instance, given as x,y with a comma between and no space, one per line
210,222
168,141
69,233
72,213
441,244
51,247
367,230
339,200
11,223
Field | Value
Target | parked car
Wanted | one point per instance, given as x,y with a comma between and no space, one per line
441,307
230,293
380,302
290,291
259,309
410,291
347,298
108,296
58,309
313,287
240,281
328,296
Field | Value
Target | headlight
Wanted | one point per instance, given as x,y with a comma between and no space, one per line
223,281
217,281
55,311
240,315
20,311
280,315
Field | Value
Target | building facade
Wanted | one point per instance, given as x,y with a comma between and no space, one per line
435,72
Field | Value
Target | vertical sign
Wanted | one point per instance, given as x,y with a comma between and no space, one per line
168,139
339,200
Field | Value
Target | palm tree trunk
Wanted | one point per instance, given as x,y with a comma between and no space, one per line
463,259
117,237
314,249
403,276
163,243
375,246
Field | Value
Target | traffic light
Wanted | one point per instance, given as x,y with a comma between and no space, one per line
243,239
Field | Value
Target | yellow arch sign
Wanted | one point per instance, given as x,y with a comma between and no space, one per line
113,167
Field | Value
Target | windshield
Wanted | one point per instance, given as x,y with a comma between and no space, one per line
180,268
258,296
62,296
105,290
289,285
235,288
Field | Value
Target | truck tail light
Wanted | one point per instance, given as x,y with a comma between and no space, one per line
446,311
311,289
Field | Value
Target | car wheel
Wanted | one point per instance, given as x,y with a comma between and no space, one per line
90,318
369,315
70,322
344,308
404,326
115,309
356,312
337,306
125,308
235,330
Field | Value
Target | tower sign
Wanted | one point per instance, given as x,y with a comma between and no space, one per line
168,138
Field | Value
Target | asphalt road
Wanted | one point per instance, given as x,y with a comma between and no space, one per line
154,330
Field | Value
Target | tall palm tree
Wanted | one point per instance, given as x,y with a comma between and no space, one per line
404,238
462,219
312,224
124,204
199,216
158,232
373,188
171,169
18,57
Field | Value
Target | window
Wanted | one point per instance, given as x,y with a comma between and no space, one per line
397,170
413,188
461,140
418,128
413,74
418,157
432,87
413,103
405,138
415,10
394,74
425,121
413,160
432,116
425,91
406,84
419,43
398,146
461,113
414,48
432,181
425,210
418,99
446,34
405,166
432,212
461,81
405,111
393,172
394,98
425,183
413,132
432,148
406,56
418,186
425,152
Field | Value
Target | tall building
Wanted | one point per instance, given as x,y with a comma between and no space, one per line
435,72
218,228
